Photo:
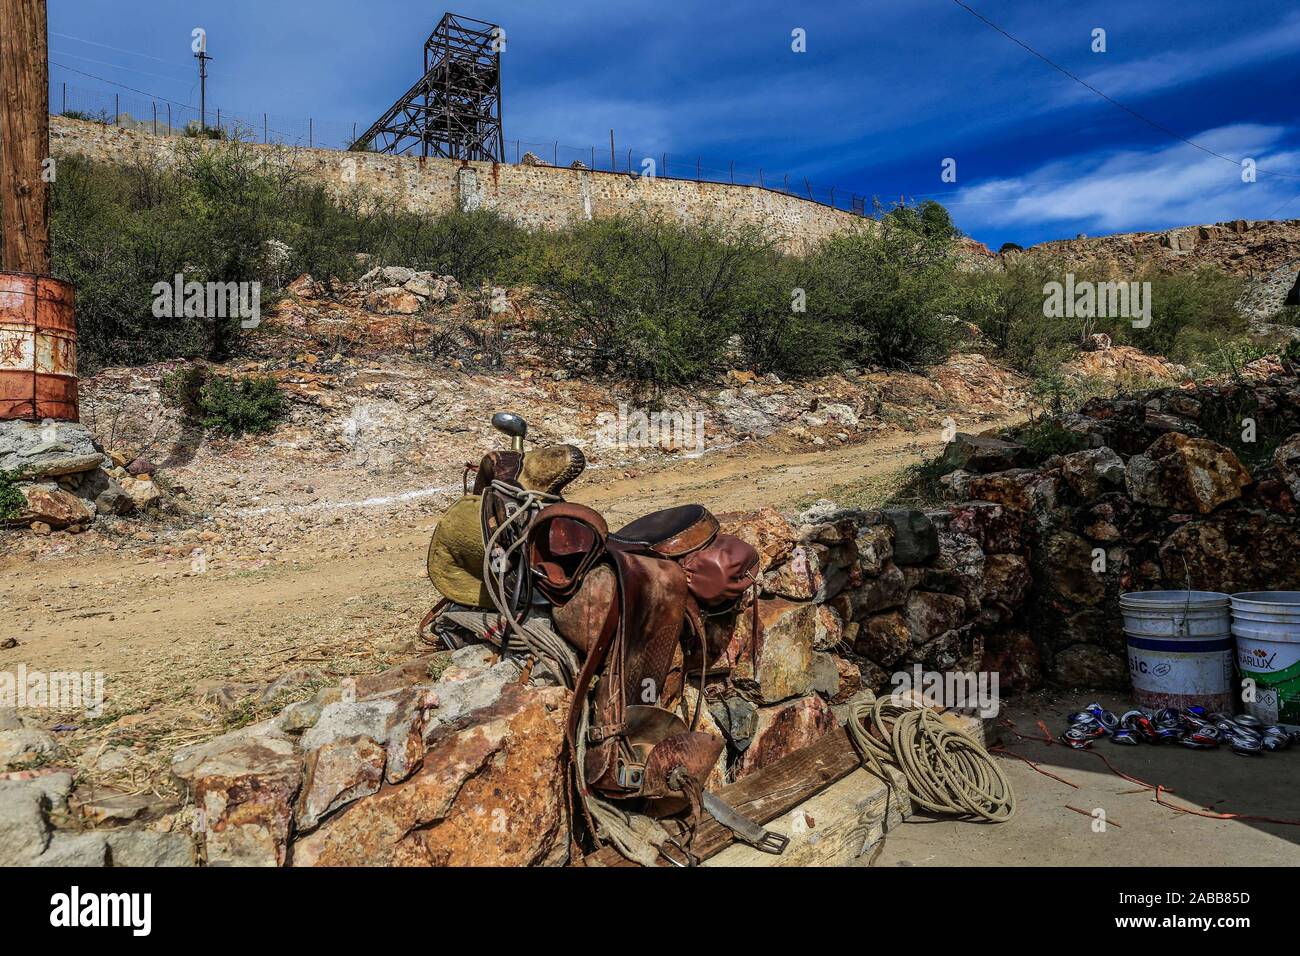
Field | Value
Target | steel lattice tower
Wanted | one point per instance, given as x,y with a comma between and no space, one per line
455,108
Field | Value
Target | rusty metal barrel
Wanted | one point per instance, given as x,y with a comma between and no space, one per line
38,348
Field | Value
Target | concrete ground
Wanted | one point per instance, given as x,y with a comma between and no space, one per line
1138,831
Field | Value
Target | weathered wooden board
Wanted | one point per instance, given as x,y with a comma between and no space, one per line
767,794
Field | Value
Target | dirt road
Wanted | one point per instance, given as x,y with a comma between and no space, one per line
330,602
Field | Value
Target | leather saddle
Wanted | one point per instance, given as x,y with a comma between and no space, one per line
623,600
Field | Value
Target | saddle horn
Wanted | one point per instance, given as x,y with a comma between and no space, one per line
508,423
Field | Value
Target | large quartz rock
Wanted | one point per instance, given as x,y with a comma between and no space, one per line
783,729
490,793
1187,474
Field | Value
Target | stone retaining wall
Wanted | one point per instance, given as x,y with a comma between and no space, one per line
536,196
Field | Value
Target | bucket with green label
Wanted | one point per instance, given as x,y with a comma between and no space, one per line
1266,625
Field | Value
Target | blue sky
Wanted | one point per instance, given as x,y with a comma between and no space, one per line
886,90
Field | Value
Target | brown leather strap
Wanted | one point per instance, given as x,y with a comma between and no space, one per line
595,657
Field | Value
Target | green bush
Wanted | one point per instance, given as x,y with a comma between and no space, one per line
223,404
649,298
213,215
231,406
11,499
194,130
887,290
1192,313
1044,437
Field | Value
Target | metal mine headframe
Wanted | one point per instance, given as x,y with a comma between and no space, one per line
455,109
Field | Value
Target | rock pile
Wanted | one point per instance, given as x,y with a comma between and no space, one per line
65,478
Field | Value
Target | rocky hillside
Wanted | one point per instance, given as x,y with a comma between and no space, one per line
390,385
1266,252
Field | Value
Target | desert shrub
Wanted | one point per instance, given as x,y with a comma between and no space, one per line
649,298
1192,314
1223,417
777,333
223,404
236,406
182,388
1291,354
888,290
195,130
1007,305
11,499
929,219
101,117
232,213
1044,436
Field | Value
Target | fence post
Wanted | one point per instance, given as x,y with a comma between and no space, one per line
218,117
593,157
65,97
117,110
629,160
733,172
516,152
354,134
311,133
697,169
555,153
155,119
664,172
808,186
264,138
169,119
613,163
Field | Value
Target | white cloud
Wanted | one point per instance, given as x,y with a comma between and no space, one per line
1126,190
1173,68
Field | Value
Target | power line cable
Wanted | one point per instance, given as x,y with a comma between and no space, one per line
115,66
1114,102
105,79
118,49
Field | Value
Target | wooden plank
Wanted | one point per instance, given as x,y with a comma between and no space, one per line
24,137
767,794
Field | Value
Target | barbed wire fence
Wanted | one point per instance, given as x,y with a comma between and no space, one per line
163,117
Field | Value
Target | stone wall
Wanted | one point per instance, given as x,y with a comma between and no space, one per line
1156,498
536,196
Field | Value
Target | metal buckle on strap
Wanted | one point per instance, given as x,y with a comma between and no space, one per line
630,776
600,734
745,829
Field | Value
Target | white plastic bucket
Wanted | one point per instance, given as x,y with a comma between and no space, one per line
1267,627
1180,649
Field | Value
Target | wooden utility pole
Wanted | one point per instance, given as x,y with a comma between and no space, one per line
24,137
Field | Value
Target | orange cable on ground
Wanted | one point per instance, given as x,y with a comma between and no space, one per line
1211,814
1109,822
1045,773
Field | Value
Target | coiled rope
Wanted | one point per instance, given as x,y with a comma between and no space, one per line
944,770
